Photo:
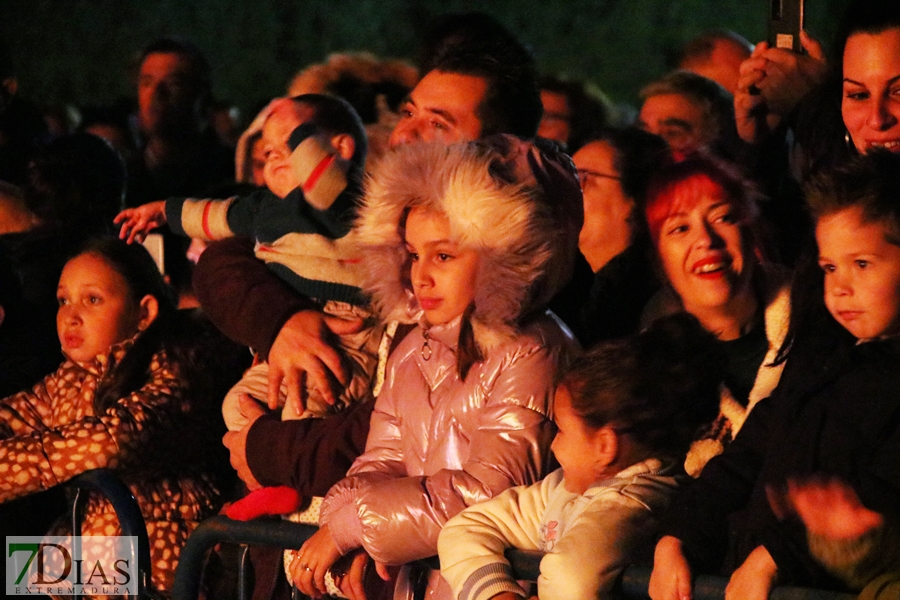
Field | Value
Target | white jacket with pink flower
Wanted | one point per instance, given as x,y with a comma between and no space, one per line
587,539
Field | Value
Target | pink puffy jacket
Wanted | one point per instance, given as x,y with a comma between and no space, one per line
438,444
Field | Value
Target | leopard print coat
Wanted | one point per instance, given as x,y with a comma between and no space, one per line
50,434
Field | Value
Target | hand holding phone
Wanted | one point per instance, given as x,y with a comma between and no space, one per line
772,82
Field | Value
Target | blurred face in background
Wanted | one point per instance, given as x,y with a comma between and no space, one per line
169,94
678,120
722,65
555,120
608,212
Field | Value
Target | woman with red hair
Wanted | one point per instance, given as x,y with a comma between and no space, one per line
702,220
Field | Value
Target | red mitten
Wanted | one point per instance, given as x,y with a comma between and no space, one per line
278,500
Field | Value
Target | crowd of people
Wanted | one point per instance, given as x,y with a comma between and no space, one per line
486,309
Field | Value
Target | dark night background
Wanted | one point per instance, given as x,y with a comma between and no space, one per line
81,51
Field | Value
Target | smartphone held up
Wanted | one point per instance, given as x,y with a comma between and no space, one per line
785,24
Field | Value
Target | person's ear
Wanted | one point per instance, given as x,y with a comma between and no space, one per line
149,309
606,446
344,144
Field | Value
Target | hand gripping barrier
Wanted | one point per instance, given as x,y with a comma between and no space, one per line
526,565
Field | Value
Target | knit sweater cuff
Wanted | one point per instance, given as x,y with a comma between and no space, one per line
488,581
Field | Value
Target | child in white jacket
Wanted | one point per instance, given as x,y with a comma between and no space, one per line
626,412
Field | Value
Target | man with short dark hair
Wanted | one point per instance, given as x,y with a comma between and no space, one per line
473,87
179,154
173,88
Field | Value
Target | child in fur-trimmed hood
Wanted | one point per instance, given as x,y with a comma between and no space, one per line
517,203
469,242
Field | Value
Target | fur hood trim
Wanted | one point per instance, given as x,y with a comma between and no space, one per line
516,203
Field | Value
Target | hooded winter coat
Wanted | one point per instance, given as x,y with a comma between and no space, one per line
439,442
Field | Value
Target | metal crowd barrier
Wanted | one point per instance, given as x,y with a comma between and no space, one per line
526,565
131,521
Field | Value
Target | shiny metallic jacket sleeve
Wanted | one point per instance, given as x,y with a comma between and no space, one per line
509,443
